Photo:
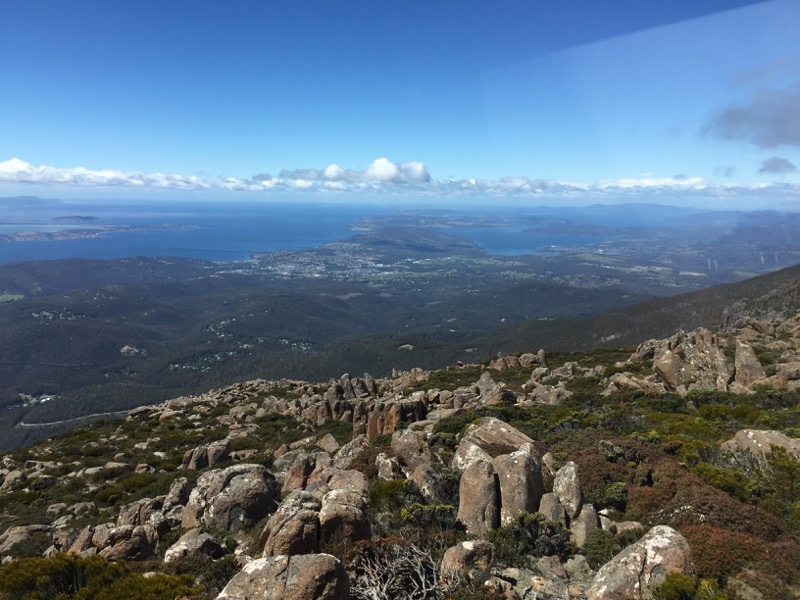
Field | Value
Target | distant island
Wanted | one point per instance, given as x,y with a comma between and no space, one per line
83,233
74,219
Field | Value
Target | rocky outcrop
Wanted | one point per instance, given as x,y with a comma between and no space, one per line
129,543
351,452
567,488
467,453
20,534
520,478
193,542
748,448
301,577
228,498
207,455
641,567
479,498
748,369
294,528
343,517
411,449
495,436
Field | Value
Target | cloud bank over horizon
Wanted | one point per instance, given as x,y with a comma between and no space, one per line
382,176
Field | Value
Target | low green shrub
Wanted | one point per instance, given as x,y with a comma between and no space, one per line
443,516
599,547
70,577
529,536
384,496
678,586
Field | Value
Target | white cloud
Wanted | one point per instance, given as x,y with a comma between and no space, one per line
385,177
382,169
415,171
333,172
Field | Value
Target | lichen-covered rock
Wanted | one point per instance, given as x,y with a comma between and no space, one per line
748,448
298,474
411,449
178,494
468,561
494,434
131,543
521,487
551,508
193,542
20,534
301,577
641,567
479,498
567,487
294,528
227,498
343,518
351,452
388,467
467,453
748,369
583,524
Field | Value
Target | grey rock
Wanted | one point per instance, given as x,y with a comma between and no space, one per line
227,498
583,524
301,577
567,486
294,528
636,571
343,518
411,449
351,452
468,561
467,453
551,508
479,498
521,487
193,542
494,434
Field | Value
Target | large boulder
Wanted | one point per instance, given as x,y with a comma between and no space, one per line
301,577
20,534
495,436
207,455
583,524
479,498
294,528
467,453
748,448
193,543
351,453
343,517
641,567
468,561
228,498
567,487
748,369
551,508
521,487
411,449
131,543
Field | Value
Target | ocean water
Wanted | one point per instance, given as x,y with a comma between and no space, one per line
212,232
232,232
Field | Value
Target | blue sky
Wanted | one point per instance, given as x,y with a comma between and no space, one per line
578,101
